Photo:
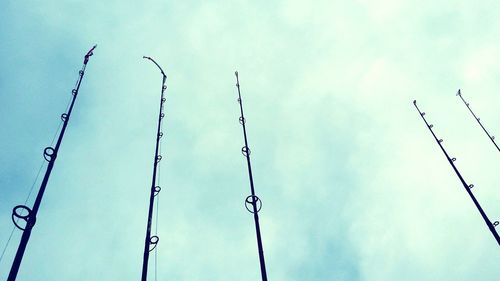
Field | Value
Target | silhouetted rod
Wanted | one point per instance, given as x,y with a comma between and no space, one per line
153,240
50,154
253,200
468,187
492,138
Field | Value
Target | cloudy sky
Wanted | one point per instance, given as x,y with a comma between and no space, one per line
353,186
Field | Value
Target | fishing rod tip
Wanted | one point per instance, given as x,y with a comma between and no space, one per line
459,93
415,102
89,53
93,48
236,73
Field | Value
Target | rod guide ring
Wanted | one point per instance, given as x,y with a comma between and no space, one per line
245,151
156,190
153,240
64,117
17,215
49,154
251,201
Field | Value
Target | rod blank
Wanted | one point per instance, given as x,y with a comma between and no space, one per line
492,138
151,242
50,154
252,203
468,187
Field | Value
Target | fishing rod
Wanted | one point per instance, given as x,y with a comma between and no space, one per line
252,200
151,242
492,138
50,155
468,187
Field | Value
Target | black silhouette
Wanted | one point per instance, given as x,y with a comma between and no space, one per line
252,199
492,138
155,190
50,154
468,187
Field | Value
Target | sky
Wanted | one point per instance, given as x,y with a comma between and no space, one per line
353,185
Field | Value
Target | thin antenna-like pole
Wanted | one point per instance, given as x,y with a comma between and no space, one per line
468,187
155,190
492,138
253,200
50,154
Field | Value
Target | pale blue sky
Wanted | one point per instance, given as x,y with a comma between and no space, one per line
353,186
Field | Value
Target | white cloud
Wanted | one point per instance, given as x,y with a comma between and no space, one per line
353,185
